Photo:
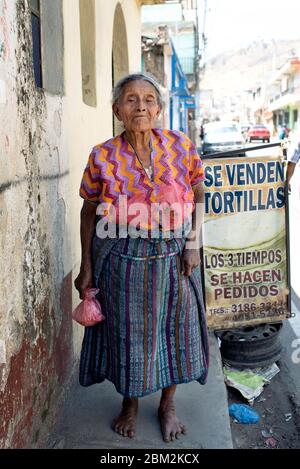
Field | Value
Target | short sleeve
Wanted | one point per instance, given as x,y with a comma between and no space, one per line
196,170
90,188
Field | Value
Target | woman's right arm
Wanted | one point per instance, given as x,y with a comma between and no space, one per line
87,228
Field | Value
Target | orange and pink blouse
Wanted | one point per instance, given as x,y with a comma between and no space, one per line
114,173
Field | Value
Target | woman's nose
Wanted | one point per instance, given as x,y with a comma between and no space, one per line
141,106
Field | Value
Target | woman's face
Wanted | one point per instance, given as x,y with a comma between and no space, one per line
138,108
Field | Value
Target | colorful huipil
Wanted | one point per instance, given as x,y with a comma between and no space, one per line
155,333
113,171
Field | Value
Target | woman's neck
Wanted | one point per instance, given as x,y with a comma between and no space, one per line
139,140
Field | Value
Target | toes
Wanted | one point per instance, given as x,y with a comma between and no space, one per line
124,427
118,430
129,431
183,429
116,427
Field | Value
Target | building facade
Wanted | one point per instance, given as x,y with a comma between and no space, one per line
160,59
284,95
179,19
275,101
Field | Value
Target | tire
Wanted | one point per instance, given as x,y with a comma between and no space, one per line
251,346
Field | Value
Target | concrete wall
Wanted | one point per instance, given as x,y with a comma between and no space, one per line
88,51
45,138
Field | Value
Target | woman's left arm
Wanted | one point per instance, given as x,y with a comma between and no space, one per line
191,253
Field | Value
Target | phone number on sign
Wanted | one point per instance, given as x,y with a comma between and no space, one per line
250,311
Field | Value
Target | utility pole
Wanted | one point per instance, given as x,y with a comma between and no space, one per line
197,66
201,50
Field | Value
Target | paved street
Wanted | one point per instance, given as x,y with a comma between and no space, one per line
272,151
294,323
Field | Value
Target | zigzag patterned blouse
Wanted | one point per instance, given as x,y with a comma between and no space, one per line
113,170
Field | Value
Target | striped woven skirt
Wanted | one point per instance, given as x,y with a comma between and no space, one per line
154,334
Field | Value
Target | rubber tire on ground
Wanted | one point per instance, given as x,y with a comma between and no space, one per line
251,346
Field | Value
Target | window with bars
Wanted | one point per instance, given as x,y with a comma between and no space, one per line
36,41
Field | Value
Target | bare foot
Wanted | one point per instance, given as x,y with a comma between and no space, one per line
171,427
125,423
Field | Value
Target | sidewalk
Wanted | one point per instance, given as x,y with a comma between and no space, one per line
85,421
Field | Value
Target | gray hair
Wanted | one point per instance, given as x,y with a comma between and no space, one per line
119,88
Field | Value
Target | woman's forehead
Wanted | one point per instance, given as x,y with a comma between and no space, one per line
139,86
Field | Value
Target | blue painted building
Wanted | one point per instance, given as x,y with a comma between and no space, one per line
159,57
180,20
180,99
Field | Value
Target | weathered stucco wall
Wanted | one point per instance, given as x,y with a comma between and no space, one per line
35,300
45,139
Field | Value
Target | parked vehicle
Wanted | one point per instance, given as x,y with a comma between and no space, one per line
221,136
258,132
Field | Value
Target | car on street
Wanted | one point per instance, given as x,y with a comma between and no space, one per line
258,132
220,137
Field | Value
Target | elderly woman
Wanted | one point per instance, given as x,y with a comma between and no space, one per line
154,335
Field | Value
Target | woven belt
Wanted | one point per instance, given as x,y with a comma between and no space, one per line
146,258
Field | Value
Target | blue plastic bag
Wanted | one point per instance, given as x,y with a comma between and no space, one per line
243,413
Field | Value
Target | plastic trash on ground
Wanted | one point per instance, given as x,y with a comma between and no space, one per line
250,383
242,413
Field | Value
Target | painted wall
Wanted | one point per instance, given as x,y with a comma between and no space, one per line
45,139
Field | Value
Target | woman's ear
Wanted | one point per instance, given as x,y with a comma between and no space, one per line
116,111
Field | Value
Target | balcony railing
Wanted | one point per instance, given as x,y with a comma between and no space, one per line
290,90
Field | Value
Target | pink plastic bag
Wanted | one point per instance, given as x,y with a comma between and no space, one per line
88,312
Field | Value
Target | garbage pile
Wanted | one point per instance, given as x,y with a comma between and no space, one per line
249,382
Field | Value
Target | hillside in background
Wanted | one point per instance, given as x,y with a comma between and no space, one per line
230,73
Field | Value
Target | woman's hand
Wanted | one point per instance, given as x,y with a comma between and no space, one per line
84,280
190,260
